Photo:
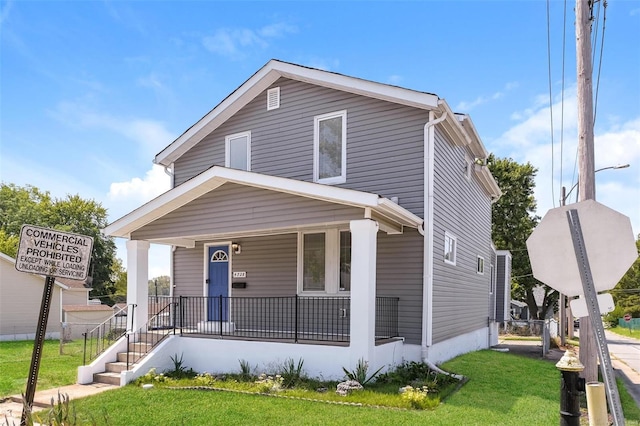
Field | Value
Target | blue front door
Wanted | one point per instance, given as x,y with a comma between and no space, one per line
218,284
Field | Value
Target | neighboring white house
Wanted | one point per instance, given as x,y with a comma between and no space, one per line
20,301
21,298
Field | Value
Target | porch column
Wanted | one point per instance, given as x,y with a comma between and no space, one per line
137,283
363,290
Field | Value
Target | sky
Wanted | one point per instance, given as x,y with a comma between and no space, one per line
91,91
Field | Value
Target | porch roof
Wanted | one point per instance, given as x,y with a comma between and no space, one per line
390,216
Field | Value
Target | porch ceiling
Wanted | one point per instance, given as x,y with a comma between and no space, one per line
391,217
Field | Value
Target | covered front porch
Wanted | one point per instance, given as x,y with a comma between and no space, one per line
293,319
240,268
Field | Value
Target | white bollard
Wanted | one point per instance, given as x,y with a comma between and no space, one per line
597,404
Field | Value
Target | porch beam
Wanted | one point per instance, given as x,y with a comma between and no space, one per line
363,290
137,283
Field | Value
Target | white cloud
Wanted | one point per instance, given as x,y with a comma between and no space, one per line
394,79
150,135
126,196
238,42
466,106
530,141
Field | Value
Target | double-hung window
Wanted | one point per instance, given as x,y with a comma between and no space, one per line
330,148
238,151
450,248
324,261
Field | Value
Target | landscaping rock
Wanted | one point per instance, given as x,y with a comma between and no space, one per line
345,388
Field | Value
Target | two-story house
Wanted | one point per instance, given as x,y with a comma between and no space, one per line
321,217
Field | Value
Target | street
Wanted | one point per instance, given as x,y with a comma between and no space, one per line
625,356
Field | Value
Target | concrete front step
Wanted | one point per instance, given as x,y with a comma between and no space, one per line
140,347
107,377
133,356
116,367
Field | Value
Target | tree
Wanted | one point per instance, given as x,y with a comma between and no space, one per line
160,286
626,293
119,277
513,220
29,205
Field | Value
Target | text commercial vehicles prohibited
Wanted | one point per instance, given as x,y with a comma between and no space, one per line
54,253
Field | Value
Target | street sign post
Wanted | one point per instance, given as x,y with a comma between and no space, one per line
51,253
580,250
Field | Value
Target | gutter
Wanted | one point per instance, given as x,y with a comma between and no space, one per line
427,231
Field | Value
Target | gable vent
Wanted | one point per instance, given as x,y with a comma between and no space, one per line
273,98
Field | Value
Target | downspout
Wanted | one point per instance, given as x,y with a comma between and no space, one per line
427,231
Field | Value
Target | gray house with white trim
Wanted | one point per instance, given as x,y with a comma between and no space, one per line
319,216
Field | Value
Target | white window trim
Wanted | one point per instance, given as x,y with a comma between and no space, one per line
316,148
227,146
331,264
469,167
453,238
479,263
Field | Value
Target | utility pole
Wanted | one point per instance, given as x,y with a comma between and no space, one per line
586,168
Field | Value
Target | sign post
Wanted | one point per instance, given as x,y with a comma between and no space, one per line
580,250
627,319
51,253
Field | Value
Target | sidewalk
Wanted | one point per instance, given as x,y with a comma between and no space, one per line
11,408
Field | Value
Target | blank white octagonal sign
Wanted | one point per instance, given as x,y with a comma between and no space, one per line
608,239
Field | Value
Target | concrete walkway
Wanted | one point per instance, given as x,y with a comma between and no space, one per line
11,408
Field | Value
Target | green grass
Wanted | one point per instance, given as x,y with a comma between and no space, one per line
622,331
503,389
55,369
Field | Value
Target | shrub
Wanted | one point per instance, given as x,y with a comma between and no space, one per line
360,373
418,397
180,371
267,384
291,372
245,371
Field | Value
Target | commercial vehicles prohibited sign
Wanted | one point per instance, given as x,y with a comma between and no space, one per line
54,253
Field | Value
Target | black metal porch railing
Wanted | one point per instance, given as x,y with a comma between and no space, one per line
102,336
295,318
160,325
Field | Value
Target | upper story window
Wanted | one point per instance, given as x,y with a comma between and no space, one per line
238,151
450,248
324,262
330,148
480,265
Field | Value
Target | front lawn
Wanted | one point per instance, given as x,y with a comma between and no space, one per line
503,389
55,369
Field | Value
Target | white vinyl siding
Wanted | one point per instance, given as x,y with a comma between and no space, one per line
330,148
238,151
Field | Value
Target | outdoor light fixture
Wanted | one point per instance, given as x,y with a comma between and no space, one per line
237,249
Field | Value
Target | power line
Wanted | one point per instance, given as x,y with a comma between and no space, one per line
604,20
553,196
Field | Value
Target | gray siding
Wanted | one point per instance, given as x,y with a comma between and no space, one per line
399,274
384,141
270,264
460,294
384,156
236,208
